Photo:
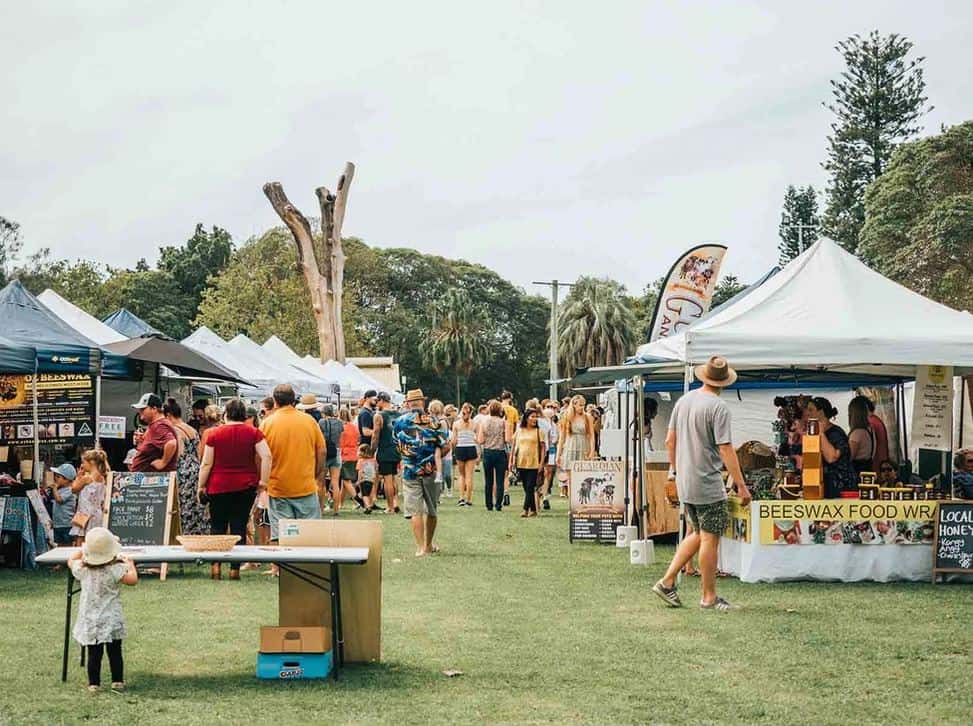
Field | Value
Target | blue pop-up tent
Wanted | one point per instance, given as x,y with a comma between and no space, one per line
129,324
16,357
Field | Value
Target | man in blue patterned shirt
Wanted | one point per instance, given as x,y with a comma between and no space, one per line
421,444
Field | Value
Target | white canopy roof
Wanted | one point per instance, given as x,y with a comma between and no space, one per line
209,343
88,325
280,350
285,372
827,309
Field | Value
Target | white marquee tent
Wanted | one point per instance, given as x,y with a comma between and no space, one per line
88,325
827,309
287,372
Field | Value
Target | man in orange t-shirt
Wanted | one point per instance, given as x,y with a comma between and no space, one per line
298,451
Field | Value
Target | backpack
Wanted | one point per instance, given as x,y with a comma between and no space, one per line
331,448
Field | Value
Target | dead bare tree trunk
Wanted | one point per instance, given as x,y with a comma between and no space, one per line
324,273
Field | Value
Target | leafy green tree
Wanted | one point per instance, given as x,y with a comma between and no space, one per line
205,254
726,288
877,103
153,295
643,307
260,293
10,246
799,222
457,339
919,217
597,326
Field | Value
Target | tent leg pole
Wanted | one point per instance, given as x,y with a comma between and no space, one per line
37,433
626,468
97,410
640,450
686,381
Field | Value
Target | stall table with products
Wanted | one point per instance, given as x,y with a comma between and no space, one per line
847,540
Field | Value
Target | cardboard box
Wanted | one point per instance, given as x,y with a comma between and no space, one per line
294,639
293,666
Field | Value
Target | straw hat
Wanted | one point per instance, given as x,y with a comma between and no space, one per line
100,546
308,401
414,395
716,372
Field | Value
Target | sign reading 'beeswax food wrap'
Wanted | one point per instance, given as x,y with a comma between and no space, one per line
846,521
65,409
597,500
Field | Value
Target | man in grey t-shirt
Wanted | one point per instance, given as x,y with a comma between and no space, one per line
700,445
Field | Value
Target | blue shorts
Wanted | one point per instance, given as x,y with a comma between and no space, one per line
306,507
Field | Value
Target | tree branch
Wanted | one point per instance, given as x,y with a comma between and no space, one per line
295,221
341,199
326,201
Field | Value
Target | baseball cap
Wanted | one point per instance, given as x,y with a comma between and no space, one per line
383,396
66,470
148,400
370,393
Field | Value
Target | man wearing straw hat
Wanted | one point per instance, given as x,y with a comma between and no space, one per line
421,443
699,445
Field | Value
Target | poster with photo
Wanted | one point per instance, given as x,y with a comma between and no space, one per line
65,409
597,500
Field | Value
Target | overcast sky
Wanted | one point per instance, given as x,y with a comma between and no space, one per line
540,139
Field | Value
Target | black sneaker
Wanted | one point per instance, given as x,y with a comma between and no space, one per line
546,504
506,500
461,503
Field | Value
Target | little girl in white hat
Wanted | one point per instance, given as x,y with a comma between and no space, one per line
99,567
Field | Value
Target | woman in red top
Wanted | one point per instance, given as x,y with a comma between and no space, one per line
228,475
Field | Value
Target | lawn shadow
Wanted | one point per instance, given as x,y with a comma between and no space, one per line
352,678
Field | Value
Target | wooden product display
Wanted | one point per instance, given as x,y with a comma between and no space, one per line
661,516
302,604
812,475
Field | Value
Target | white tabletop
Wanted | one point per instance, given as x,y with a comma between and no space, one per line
244,553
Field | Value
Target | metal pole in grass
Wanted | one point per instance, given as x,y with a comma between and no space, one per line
626,468
686,382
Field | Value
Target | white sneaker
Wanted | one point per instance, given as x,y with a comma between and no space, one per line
449,493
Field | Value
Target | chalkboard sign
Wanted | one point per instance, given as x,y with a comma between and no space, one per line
141,507
953,543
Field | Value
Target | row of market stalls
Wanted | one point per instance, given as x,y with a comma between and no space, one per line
826,324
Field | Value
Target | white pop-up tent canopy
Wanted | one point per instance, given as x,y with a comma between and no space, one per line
88,325
287,372
826,310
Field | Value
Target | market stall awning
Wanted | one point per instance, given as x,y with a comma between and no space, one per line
175,355
827,309
60,348
129,324
16,357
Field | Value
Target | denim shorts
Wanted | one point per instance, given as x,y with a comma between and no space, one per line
306,507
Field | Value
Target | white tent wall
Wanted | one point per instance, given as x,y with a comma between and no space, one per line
753,412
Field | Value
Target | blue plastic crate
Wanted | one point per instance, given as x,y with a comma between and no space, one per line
293,666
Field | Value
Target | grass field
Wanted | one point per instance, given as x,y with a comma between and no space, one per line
543,631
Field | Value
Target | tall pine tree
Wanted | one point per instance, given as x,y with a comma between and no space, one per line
799,222
877,104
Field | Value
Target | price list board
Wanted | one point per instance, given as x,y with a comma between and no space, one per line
953,538
141,507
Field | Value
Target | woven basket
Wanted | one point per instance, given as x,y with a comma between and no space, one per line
208,542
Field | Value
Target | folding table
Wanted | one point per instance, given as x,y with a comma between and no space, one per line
288,559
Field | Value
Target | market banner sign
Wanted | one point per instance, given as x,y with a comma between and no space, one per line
65,409
738,527
688,290
846,521
932,409
597,500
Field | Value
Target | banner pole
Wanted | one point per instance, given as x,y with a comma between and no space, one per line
687,380
97,411
626,429
37,433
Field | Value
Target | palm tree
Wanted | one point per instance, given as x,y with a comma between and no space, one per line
457,338
596,325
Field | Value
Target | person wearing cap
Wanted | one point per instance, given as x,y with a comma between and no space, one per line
366,417
386,452
421,443
699,443
100,567
158,448
65,503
